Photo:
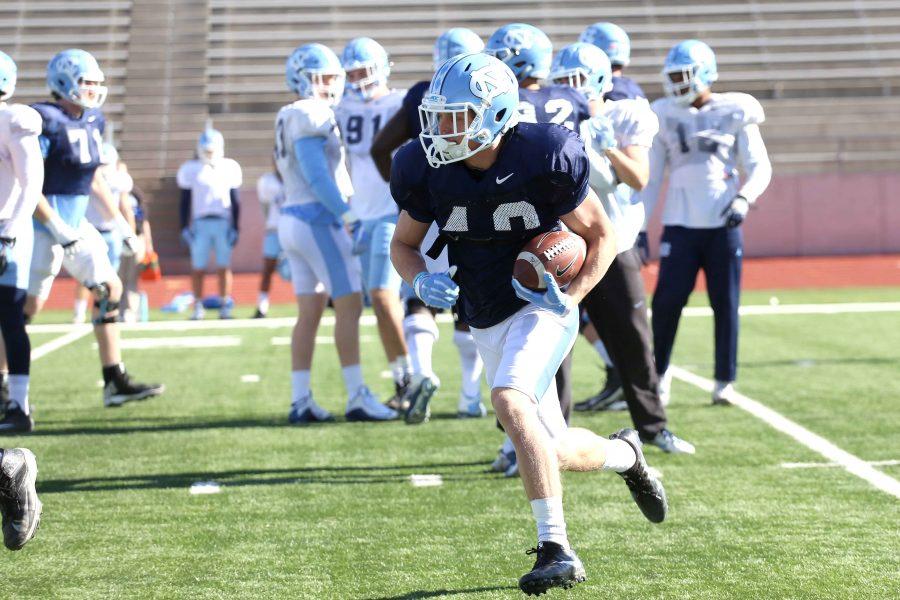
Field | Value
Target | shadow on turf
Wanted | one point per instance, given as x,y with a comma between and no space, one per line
289,476
167,424
441,593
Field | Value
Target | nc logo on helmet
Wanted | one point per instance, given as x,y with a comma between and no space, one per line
518,38
490,81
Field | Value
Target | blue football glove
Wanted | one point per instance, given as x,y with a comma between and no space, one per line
360,236
602,132
233,237
187,236
552,299
437,289
643,246
736,212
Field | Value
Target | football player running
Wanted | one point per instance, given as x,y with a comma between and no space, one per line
71,141
528,52
706,141
491,185
311,161
21,178
210,211
419,327
270,193
618,139
367,104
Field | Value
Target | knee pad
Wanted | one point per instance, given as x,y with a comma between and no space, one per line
420,322
107,310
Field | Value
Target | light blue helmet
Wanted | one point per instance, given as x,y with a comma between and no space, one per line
692,64
365,53
307,68
69,74
584,67
458,40
210,145
610,38
472,101
7,76
524,48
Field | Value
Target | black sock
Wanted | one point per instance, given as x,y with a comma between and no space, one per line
112,372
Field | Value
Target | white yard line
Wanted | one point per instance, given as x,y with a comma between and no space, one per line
195,341
75,332
369,320
816,465
814,442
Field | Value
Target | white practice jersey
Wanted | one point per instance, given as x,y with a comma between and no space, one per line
359,121
210,185
308,117
21,167
270,192
707,150
634,125
119,183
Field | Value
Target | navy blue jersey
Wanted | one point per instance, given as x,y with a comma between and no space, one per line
71,148
410,107
624,88
561,104
540,174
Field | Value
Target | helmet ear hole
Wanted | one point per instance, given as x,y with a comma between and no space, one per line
499,116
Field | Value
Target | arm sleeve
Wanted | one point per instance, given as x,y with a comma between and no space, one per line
650,194
235,207
754,163
314,168
184,207
28,164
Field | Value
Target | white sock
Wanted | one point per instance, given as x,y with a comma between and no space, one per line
471,363
604,355
353,379
80,308
18,392
401,368
263,302
508,447
620,456
551,525
299,384
420,332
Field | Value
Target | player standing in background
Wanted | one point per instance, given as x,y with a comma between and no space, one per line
484,178
617,140
71,141
270,192
19,503
419,327
21,179
210,215
528,52
366,105
120,186
705,140
310,158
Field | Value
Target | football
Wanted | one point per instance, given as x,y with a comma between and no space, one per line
560,253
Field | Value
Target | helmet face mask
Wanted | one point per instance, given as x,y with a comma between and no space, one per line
689,70
365,81
327,86
472,102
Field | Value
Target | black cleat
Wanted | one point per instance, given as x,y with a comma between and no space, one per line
421,390
646,489
19,504
611,397
555,567
121,389
15,421
259,314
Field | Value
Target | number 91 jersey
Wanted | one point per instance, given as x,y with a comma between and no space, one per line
560,104
359,122
71,148
541,173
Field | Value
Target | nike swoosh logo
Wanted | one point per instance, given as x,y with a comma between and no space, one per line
499,181
561,272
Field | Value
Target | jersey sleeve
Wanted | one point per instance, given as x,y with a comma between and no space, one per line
235,175
185,176
638,125
408,183
746,108
569,169
313,119
25,121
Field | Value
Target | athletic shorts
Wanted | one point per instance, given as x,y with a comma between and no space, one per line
89,264
210,234
271,245
378,270
320,257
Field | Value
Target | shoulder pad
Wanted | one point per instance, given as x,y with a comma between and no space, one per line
309,118
24,120
660,105
750,110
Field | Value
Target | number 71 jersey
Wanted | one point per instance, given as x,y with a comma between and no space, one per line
72,148
359,122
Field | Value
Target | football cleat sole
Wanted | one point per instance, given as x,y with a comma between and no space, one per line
117,400
419,403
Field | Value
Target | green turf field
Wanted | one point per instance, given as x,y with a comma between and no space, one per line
329,511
